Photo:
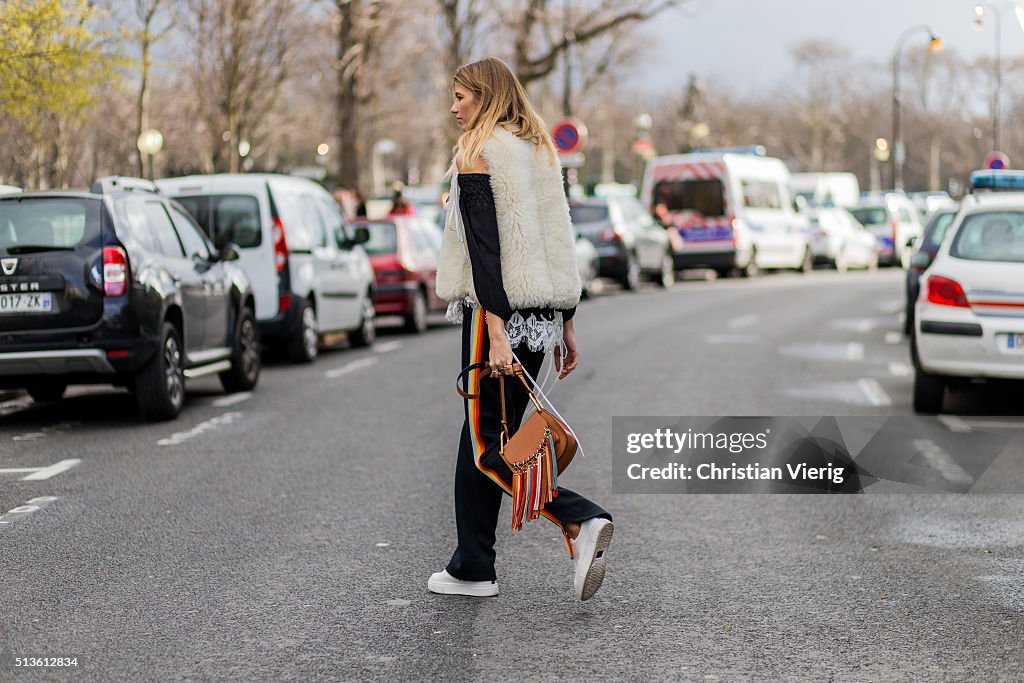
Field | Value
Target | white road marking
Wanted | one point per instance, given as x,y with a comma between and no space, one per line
743,321
941,461
387,347
893,337
22,511
31,436
873,391
854,351
52,470
350,367
892,306
19,470
233,399
995,424
954,423
731,339
899,369
202,427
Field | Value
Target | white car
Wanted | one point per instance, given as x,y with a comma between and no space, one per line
969,316
838,239
894,220
9,189
309,272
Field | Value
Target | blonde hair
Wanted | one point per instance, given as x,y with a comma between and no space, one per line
501,101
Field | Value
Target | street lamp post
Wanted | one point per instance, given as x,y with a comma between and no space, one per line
979,21
150,143
898,150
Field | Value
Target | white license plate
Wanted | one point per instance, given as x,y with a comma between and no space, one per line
26,303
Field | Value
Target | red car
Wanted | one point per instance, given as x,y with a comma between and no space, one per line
403,251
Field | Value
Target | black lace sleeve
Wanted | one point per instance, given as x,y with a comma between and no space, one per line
476,204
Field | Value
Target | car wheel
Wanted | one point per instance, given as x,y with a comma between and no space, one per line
366,333
304,345
929,392
631,277
750,269
667,274
245,359
160,384
45,391
840,263
416,320
807,265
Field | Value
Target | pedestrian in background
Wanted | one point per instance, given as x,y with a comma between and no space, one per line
508,269
400,207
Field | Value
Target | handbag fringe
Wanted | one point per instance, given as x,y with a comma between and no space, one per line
534,482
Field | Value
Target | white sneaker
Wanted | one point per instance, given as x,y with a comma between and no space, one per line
588,550
444,583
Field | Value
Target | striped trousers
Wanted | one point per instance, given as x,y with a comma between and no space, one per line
481,476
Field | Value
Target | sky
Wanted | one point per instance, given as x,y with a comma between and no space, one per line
746,43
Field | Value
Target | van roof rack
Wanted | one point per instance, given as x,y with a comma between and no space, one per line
756,150
114,183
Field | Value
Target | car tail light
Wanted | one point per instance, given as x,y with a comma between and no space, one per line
115,271
946,292
118,353
284,302
280,245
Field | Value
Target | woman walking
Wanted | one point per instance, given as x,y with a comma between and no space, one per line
508,270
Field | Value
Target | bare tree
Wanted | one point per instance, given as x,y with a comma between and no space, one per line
241,57
147,36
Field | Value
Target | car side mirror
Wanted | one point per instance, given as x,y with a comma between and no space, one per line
910,242
921,260
229,252
362,235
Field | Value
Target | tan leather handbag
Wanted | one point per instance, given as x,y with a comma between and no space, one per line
537,452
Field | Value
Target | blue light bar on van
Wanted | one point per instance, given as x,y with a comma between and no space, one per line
756,150
997,180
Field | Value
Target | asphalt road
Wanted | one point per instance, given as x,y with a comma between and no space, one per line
288,535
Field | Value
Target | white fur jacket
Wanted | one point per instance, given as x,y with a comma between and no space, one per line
538,255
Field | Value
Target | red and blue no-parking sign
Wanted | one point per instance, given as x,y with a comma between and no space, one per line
997,160
569,135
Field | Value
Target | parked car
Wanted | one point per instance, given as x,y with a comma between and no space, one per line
839,240
588,263
894,220
826,189
629,243
309,272
928,245
9,189
119,286
927,203
968,316
403,251
732,209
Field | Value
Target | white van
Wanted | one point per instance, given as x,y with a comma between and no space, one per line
309,273
732,210
827,189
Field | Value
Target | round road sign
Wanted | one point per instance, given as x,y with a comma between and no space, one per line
997,160
569,135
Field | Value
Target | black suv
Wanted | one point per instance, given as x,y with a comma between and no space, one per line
118,285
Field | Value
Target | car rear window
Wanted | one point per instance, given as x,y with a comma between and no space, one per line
383,239
871,215
990,236
937,228
48,223
704,196
582,213
226,217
